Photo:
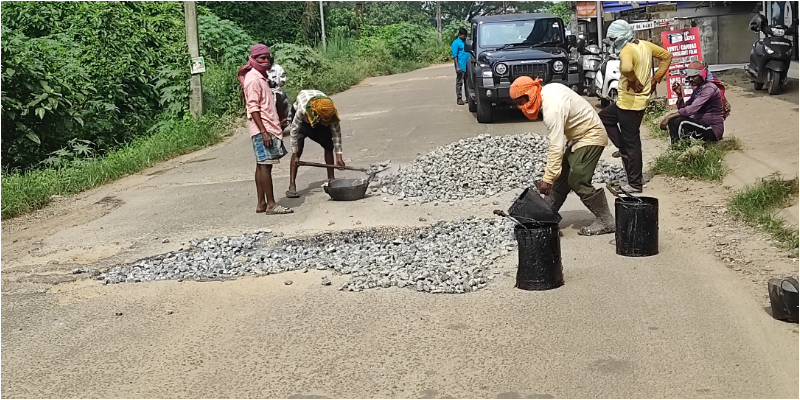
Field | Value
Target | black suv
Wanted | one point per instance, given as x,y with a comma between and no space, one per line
505,47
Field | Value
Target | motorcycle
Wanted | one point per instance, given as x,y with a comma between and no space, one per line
769,57
606,80
589,62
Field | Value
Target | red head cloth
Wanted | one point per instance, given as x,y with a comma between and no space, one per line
255,51
697,68
524,85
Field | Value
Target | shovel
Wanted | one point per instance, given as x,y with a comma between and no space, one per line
312,164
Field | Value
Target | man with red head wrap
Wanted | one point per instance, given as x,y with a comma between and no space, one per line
576,140
703,115
265,130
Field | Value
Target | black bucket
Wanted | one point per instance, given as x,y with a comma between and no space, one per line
637,226
539,256
783,298
531,206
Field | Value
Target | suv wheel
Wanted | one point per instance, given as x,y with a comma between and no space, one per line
484,110
471,104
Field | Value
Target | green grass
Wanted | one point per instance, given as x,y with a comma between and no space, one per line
652,117
23,193
695,159
757,205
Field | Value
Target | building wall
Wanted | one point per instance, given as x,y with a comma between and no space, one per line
725,37
739,38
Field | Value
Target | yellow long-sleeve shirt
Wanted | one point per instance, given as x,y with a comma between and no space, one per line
636,61
570,121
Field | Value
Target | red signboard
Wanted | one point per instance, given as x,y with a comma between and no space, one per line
684,45
586,9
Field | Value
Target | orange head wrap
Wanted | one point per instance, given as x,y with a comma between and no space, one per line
323,108
524,85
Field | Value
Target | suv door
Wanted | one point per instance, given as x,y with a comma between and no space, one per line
471,68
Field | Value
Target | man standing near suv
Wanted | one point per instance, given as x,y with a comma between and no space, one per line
460,58
636,83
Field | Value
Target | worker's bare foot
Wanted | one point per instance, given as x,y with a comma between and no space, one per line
260,208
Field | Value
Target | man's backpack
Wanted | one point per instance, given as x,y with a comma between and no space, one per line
726,105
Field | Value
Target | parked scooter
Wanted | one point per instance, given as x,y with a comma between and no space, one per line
769,57
589,62
606,81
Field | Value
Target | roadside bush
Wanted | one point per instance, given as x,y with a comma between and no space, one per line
84,70
223,41
450,32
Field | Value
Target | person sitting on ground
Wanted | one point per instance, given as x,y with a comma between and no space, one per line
316,118
703,115
265,132
277,80
576,138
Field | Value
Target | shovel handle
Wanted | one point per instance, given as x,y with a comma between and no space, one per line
312,164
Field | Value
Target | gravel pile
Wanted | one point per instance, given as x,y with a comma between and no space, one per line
479,166
447,257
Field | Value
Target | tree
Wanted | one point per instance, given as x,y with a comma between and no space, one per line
561,9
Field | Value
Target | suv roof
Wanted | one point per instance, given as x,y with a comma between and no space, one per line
513,17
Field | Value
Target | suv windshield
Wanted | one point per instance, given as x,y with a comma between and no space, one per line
525,33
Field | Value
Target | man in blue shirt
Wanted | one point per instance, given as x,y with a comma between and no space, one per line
460,58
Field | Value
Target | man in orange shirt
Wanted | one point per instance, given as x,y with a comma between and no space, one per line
623,119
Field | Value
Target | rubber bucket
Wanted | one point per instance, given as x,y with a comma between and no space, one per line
783,298
539,256
531,206
637,226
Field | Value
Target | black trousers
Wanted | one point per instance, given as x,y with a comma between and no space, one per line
622,127
684,128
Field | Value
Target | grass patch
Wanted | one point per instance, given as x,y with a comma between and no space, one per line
695,159
757,205
23,193
652,118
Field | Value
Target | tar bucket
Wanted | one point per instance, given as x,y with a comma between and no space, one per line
531,206
539,256
637,226
783,298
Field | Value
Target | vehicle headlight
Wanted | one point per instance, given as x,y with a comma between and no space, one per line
487,73
589,64
500,69
778,31
768,49
558,66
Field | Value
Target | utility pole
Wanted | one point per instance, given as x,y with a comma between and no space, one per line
193,41
322,19
599,11
359,15
439,20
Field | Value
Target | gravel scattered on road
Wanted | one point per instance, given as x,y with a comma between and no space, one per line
483,165
446,257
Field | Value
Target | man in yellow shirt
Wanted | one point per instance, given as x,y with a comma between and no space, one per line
576,140
622,120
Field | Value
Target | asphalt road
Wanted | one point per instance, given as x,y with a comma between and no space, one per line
675,325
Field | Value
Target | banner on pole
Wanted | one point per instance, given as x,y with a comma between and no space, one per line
684,45
586,9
